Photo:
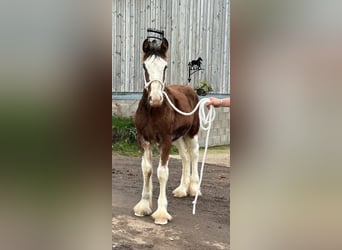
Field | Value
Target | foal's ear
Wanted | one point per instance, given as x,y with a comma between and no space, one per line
164,46
146,46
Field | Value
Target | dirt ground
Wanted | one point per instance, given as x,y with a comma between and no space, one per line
207,229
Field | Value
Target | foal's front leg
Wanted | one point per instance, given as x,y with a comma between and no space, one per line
144,207
161,216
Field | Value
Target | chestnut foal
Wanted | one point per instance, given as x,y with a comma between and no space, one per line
156,122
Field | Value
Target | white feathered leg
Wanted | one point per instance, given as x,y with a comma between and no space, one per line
161,216
144,206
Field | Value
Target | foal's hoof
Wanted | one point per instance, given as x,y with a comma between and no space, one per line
180,192
161,217
142,209
193,191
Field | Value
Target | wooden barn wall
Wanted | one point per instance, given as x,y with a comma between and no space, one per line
194,28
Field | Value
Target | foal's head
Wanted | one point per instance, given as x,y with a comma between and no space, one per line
155,69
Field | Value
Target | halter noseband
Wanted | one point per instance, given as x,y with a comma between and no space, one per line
147,84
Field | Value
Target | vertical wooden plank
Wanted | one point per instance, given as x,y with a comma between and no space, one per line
149,15
169,35
143,17
140,41
134,35
211,44
115,13
198,29
201,75
194,54
208,44
174,38
195,49
180,46
153,14
167,32
158,13
120,27
175,48
126,43
162,16
228,44
190,36
180,40
113,42
221,42
215,47
131,76
221,70
146,14
141,9
225,44
136,47
225,65
195,38
122,48
118,52
186,36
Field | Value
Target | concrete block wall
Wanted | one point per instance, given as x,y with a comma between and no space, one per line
219,133
220,130
124,108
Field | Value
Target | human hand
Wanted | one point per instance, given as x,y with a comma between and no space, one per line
214,102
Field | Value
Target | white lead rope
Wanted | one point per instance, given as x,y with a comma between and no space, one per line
205,124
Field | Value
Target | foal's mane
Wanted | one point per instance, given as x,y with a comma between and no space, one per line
153,48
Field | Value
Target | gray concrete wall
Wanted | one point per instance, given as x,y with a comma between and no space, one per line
219,134
220,130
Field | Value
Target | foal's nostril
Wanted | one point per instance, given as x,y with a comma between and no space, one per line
155,101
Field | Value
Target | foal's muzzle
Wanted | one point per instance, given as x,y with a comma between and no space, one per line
155,97
155,101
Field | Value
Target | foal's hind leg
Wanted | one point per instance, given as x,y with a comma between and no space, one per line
193,148
182,189
144,207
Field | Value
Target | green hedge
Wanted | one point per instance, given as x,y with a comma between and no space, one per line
124,138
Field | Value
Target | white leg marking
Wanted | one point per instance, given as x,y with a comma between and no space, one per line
144,206
193,147
182,189
161,216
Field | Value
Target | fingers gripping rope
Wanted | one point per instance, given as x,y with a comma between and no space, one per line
205,124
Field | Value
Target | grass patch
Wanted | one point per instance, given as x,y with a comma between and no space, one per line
128,149
124,136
